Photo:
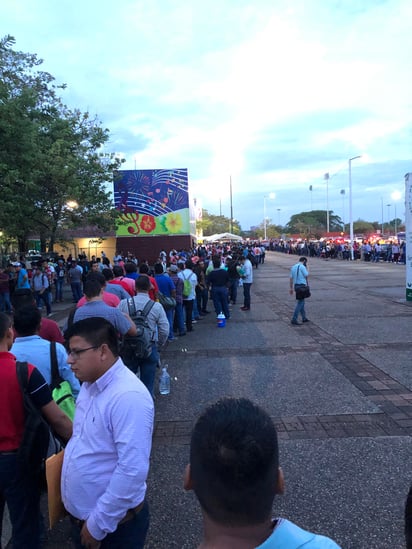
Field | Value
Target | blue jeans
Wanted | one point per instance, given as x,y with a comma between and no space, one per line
147,368
22,495
219,297
246,294
59,289
179,318
76,291
299,309
170,314
5,305
45,298
129,535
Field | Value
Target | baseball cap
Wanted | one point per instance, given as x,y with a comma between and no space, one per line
173,268
16,264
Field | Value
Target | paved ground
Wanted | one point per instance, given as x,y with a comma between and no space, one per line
339,389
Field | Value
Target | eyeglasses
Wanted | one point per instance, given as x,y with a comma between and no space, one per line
75,353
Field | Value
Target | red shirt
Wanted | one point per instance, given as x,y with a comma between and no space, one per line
110,299
11,400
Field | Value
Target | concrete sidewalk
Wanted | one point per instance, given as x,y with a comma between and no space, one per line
339,389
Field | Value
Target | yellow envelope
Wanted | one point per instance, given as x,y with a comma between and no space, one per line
54,466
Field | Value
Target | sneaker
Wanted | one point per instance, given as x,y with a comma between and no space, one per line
245,308
206,312
295,322
305,320
194,321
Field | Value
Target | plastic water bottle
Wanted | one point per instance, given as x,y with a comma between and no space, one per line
221,320
164,382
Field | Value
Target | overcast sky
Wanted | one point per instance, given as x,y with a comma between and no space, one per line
272,93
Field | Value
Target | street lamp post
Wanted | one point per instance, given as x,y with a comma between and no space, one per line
272,196
350,206
279,210
326,177
389,218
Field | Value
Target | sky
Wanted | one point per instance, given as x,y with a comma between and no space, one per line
269,95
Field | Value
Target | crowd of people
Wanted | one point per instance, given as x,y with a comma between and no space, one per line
234,472
367,250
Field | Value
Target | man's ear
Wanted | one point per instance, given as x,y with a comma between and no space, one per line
280,484
187,479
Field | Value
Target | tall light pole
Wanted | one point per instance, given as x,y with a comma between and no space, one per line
396,195
350,206
272,196
326,178
342,193
279,209
389,218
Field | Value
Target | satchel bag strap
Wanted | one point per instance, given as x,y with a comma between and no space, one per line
22,373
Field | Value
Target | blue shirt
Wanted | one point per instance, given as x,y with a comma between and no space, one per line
36,350
165,283
287,535
106,461
22,282
100,309
298,273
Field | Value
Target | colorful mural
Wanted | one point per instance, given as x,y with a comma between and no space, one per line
152,202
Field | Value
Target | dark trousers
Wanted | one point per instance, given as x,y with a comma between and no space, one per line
246,294
219,297
188,305
128,535
22,496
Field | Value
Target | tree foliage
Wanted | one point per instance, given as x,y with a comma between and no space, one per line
313,223
212,224
49,156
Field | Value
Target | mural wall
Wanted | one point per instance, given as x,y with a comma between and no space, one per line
152,202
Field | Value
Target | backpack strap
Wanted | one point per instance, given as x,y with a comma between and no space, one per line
56,378
147,308
22,372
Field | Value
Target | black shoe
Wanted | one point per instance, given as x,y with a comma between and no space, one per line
305,320
295,322
205,312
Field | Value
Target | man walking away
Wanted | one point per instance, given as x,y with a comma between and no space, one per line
106,462
299,275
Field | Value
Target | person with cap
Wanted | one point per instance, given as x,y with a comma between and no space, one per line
247,279
22,281
179,320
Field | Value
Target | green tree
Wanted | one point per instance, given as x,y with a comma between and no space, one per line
212,224
49,156
313,223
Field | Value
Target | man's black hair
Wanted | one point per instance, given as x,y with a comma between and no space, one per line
118,271
144,268
97,276
92,288
303,259
234,462
158,268
22,297
143,283
107,273
27,320
96,331
5,324
130,267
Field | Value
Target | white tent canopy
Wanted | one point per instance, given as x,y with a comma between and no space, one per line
223,237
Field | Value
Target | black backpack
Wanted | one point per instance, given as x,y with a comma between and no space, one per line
139,346
34,445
